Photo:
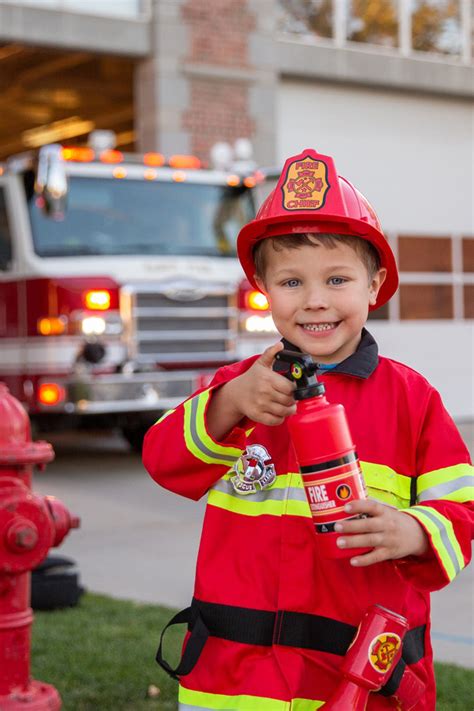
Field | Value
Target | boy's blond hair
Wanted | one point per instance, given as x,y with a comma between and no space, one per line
364,250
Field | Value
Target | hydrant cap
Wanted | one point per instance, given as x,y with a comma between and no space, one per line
16,446
14,422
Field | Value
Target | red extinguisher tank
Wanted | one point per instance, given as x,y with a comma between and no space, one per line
326,454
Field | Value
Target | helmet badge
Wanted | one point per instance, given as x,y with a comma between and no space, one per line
252,473
305,185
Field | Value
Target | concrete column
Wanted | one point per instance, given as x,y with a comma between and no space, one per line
264,88
161,89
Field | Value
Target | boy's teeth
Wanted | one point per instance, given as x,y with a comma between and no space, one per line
318,326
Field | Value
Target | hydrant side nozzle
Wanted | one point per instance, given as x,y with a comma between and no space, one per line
61,518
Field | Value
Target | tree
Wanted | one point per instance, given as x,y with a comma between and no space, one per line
313,15
373,21
435,26
435,23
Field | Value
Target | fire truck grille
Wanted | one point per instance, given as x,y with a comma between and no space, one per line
163,329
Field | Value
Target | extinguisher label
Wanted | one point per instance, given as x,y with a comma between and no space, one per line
329,489
382,651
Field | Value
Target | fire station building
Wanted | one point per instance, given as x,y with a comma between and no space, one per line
388,94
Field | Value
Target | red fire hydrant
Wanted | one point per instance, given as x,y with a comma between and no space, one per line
30,525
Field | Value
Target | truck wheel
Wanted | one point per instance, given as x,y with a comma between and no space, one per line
134,436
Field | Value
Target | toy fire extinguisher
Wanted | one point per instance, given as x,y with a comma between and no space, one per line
370,661
326,455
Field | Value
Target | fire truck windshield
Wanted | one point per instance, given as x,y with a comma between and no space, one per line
121,217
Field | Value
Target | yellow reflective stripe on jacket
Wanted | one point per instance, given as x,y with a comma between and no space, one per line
197,439
386,485
441,532
285,496
165,414
451,483
190,700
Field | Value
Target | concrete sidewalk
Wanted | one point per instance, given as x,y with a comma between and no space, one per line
138,541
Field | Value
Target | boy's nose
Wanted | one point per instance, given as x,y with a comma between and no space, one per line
315,298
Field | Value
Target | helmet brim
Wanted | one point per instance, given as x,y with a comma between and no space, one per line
260,229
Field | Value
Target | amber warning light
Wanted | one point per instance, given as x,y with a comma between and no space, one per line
184,162
51,326
97,299
257,301
78,154
51,394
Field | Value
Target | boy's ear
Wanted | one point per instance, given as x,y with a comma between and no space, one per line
374,286
260,283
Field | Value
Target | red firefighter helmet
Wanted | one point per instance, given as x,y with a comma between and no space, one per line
311,197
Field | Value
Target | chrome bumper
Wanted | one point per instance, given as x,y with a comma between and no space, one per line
135,392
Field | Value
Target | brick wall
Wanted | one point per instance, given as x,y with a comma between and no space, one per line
219,111
218,50
218,31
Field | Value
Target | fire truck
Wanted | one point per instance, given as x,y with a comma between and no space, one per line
120,291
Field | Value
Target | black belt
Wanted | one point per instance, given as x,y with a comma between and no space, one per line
289,629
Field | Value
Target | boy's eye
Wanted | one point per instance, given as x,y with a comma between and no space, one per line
292,282
337,281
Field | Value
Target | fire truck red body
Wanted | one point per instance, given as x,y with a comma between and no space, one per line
119,285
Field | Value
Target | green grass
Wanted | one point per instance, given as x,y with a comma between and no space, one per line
100,656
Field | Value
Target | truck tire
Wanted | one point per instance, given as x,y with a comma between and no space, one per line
55,584
135,434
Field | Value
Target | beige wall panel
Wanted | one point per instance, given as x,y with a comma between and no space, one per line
411,155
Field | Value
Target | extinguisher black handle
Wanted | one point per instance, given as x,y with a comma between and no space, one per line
301,370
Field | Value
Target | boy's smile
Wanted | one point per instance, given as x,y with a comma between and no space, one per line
320,297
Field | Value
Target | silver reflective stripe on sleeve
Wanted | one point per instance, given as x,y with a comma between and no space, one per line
441,491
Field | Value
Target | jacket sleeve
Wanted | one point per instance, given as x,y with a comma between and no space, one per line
444,500
181,455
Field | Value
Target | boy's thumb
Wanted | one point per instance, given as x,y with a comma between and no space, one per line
268,356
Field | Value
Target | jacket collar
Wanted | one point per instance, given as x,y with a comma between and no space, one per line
360,364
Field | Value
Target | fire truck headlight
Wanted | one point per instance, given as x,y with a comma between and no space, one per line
259,324
93,326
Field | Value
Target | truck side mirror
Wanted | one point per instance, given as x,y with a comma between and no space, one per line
51,182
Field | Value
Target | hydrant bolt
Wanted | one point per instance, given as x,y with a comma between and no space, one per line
22,535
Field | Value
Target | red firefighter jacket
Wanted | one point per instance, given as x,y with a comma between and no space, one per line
281,618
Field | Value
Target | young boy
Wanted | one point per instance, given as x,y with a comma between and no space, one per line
271,620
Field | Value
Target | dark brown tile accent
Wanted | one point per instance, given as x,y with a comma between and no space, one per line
428,301
424,254
468,254
468,300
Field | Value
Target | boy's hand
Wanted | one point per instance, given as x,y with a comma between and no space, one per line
261,394
391,533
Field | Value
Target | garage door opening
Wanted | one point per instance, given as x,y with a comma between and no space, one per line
48,96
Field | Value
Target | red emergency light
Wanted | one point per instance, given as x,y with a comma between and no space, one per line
97,299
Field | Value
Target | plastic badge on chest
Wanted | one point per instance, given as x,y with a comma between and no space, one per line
252,474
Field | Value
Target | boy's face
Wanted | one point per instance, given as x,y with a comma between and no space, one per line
320,297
